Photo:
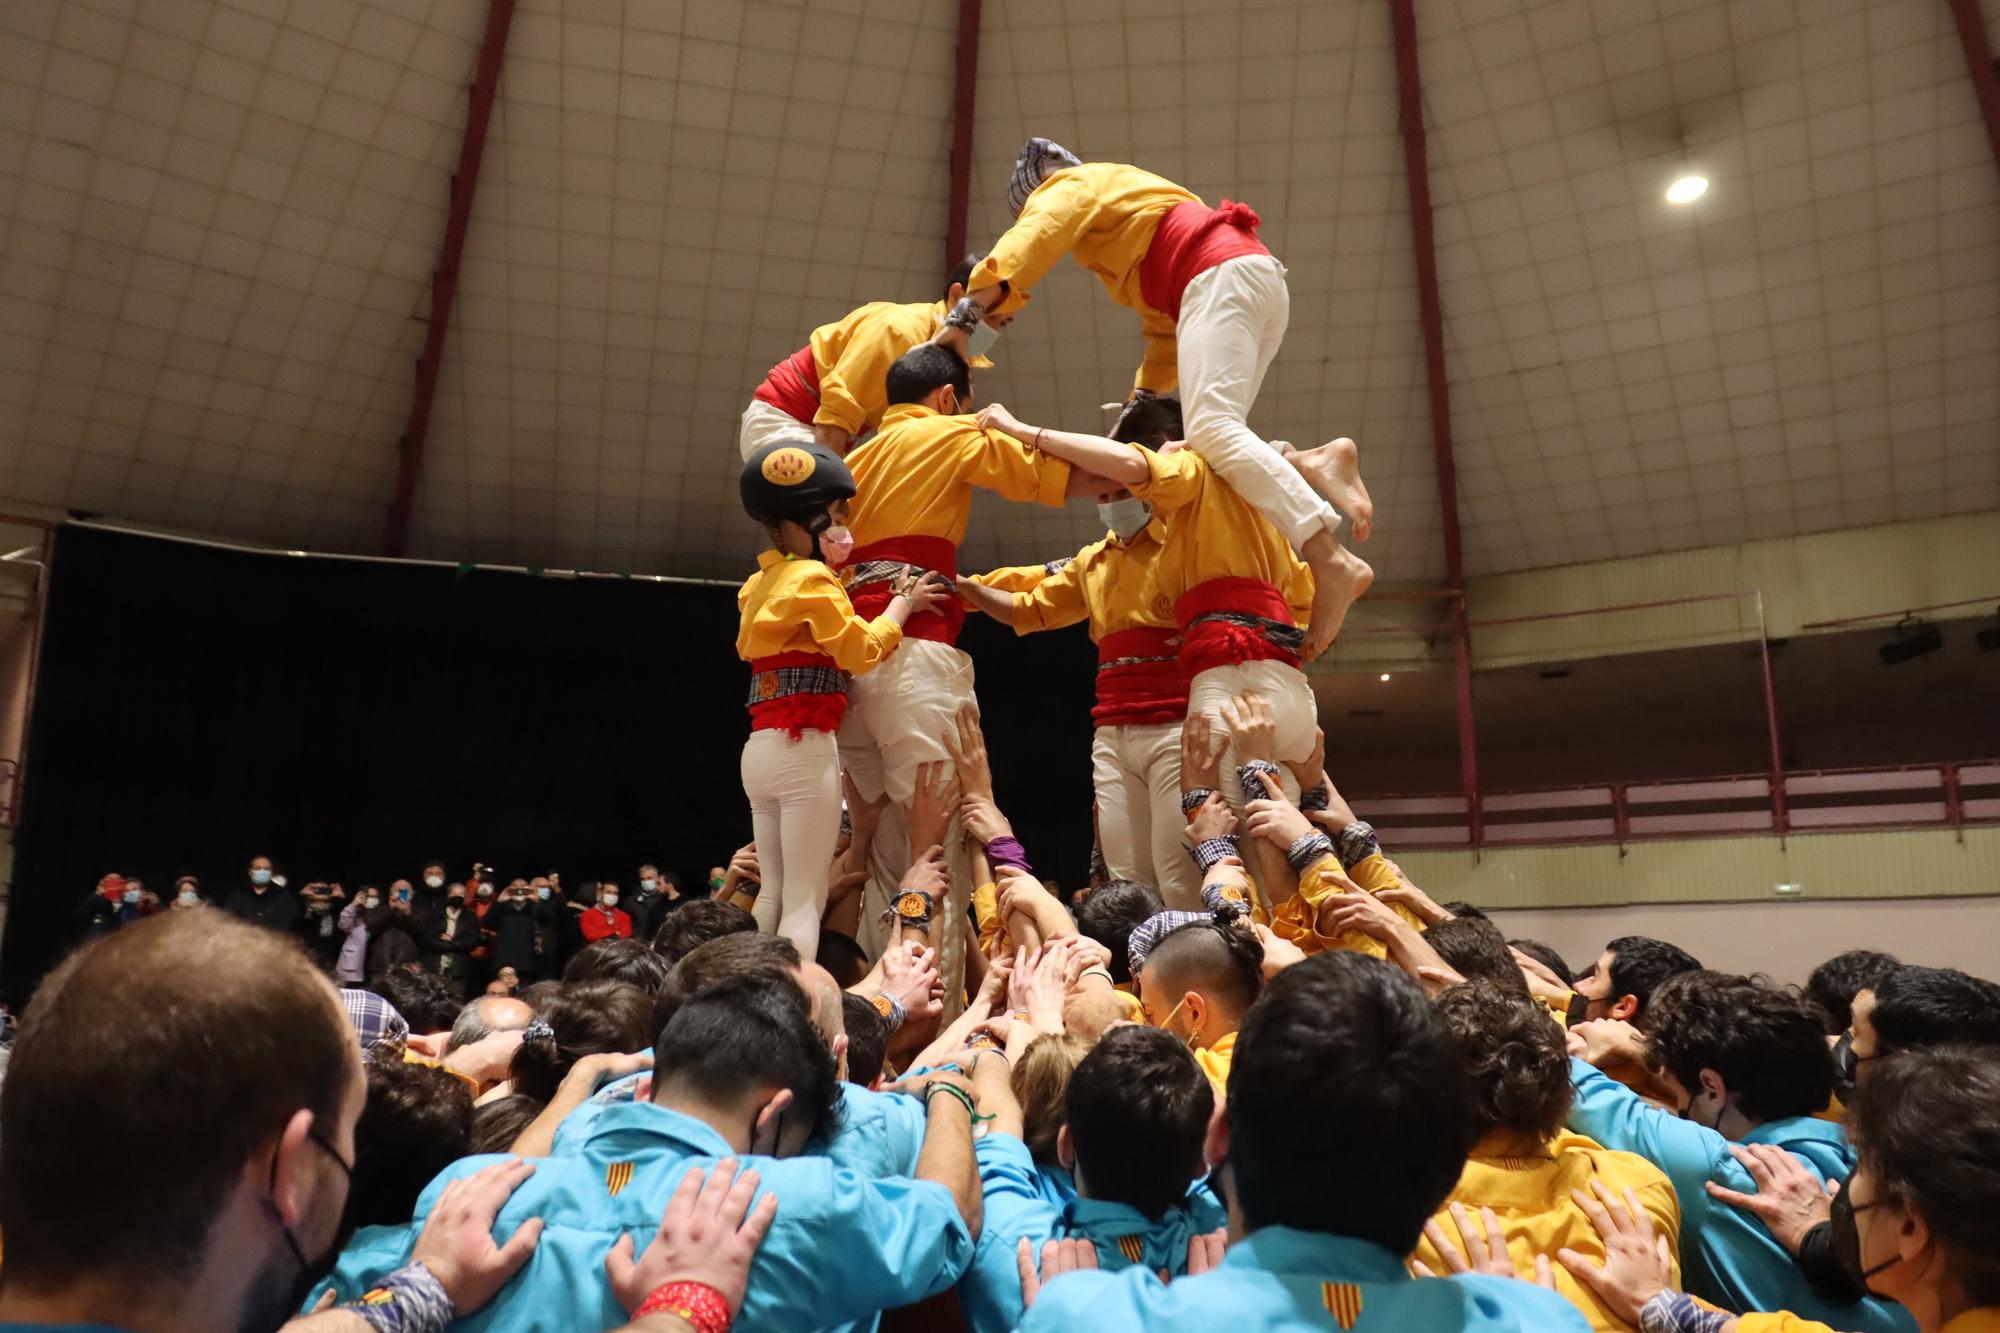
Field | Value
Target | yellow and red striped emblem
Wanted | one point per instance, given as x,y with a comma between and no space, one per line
1132,1247
617,1176
1343,1302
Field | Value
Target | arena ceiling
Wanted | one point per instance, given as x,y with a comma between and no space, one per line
219,218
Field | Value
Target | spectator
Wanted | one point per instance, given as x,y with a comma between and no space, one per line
1344,1040
104,911
320,908
392,939
447,940
187,893
262,902
350,967
606,920
513,924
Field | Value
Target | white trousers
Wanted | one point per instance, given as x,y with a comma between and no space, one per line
764,424
1232,322
1293,708
794,791
897,718
1137,773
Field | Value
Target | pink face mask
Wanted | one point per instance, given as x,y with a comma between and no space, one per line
836,545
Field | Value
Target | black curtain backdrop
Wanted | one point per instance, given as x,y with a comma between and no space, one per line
195,707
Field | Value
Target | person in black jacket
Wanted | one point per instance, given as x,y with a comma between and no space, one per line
445,941
263,903
391,942
513,924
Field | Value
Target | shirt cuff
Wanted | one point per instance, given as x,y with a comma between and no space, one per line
1194,798
1206,853
1677,1312
1319,798
1008,851
1307,851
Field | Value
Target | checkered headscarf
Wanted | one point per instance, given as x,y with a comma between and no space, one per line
1152,930
1039,159
375,1019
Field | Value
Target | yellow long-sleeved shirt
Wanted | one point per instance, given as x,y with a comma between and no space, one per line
1213,533
1528,1188
1297,918
793,605
1104,214
916,476
853,356
1113,585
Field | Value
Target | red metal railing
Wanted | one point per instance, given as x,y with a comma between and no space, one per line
1903,796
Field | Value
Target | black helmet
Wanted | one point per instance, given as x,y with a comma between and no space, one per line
795,480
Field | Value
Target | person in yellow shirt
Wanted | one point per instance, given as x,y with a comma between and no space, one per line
914,482
803,640
1199,973
1213,306
831,390
1141,694
1525,1168
1229,574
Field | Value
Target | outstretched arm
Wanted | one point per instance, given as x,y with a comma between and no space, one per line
1094,454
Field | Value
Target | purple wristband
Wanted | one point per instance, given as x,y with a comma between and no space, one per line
1008,851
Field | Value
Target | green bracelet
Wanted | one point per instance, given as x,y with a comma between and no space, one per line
964,1097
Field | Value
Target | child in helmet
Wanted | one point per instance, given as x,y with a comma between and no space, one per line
803,640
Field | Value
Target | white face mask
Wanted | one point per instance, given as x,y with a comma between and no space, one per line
1127,517
610,900
434,881
836,546
980,341
189,896
131,895
486,890
371,903
544,891
649,884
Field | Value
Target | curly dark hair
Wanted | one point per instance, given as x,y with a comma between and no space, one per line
1931,1006
1475,948
1109,915
1514,1058
1767,1041
696,924
1840,978
416,1122
1927,1127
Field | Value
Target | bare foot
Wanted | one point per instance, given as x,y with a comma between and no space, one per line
1334,469
1337,585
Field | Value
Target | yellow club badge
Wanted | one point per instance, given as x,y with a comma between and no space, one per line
788,466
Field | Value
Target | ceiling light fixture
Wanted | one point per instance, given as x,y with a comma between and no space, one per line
1687,189
1385,675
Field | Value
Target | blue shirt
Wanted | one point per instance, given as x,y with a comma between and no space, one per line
1727,1255
990,1292
880,1133
1281,1279
842,1248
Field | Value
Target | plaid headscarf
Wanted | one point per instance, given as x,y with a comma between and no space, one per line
375,1019
1039,159
1153,929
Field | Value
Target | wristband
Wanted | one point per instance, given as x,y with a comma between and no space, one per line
911,907
1098,970
958,1093
1194,798
1008,851
966,315
1357,843
1676,1312
1224,897
701,1305
1211,850
409,1300
1253,790
891,1010
1319,798
1308,849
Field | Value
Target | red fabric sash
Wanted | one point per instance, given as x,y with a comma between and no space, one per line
796,713
1140,693
1192,239
872,599
1219,643
793,386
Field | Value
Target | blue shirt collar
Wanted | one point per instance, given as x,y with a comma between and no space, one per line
1319,1253
646,1124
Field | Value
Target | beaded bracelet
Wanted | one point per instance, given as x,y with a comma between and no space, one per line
701,1305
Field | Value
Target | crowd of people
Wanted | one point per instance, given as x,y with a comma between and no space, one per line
878,1074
